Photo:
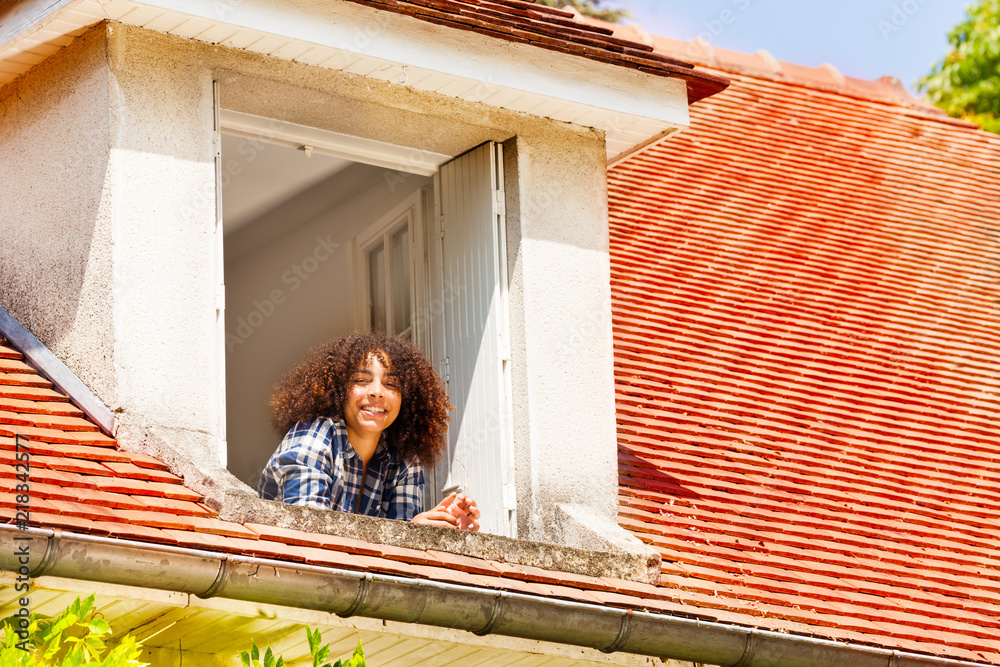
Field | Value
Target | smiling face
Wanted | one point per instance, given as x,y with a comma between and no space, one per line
373,401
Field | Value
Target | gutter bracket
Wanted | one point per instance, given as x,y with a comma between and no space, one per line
623,633
220,579
498,608
894,659
748,651
359,597
48,558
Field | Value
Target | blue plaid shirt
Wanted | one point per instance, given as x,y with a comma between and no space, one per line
316,466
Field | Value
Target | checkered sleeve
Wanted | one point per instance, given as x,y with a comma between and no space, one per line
405,500
300,472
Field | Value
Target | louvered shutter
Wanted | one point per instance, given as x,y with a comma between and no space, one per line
470,344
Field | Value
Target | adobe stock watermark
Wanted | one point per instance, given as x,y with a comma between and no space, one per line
293,278
413,163
221,8
204,199
899,16
87,144
595,325
423,320
22,488
715,27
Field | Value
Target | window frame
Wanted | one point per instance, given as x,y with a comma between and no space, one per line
407,214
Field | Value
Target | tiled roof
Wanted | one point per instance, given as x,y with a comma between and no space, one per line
82,483
806,293
555,30
700,52
805,289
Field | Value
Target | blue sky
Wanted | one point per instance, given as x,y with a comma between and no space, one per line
861,38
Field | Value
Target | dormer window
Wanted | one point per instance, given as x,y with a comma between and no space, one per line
187,310
342,244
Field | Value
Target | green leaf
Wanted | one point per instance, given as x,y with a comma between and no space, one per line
314,638
319,653
70,639
98,626
966,82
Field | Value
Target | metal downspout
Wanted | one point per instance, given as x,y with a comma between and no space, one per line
346,593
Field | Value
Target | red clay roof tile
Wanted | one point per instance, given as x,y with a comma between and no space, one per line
66,464
19,405
805,365
186,537
555,30
8,352
8,390
46,420
805,362
131,471
386,566
172,506
146,461
177,491
132,531
70,523
24,380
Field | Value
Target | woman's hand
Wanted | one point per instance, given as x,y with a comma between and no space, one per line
466,511
455,511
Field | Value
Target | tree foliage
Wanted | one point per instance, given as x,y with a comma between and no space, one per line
71,639
320,655
74,639
594,8
966,83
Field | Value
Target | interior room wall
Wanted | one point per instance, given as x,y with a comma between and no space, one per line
287,290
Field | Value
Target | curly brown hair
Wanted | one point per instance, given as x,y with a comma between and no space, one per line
318,388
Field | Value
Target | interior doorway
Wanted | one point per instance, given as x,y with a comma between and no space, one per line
293,274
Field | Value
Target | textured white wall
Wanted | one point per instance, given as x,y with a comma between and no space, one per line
55,208
163,165
124,282
563,372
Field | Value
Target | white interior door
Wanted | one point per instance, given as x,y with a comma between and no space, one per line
470,343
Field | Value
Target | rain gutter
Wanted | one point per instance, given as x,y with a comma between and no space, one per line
481,611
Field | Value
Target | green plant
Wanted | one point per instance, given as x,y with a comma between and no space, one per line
253,658
71,639
966,83
320,655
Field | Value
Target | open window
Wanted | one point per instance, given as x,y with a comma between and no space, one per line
326,234
391,269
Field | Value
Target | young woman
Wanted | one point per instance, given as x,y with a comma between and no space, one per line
361,416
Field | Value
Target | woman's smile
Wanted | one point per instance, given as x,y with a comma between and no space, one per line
373,400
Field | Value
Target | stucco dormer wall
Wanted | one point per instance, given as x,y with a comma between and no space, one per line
55,208
159,274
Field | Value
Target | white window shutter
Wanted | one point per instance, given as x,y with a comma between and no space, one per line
474,334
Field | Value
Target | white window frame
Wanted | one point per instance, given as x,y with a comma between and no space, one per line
410,214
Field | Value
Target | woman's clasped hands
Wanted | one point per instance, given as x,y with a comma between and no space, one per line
456,510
